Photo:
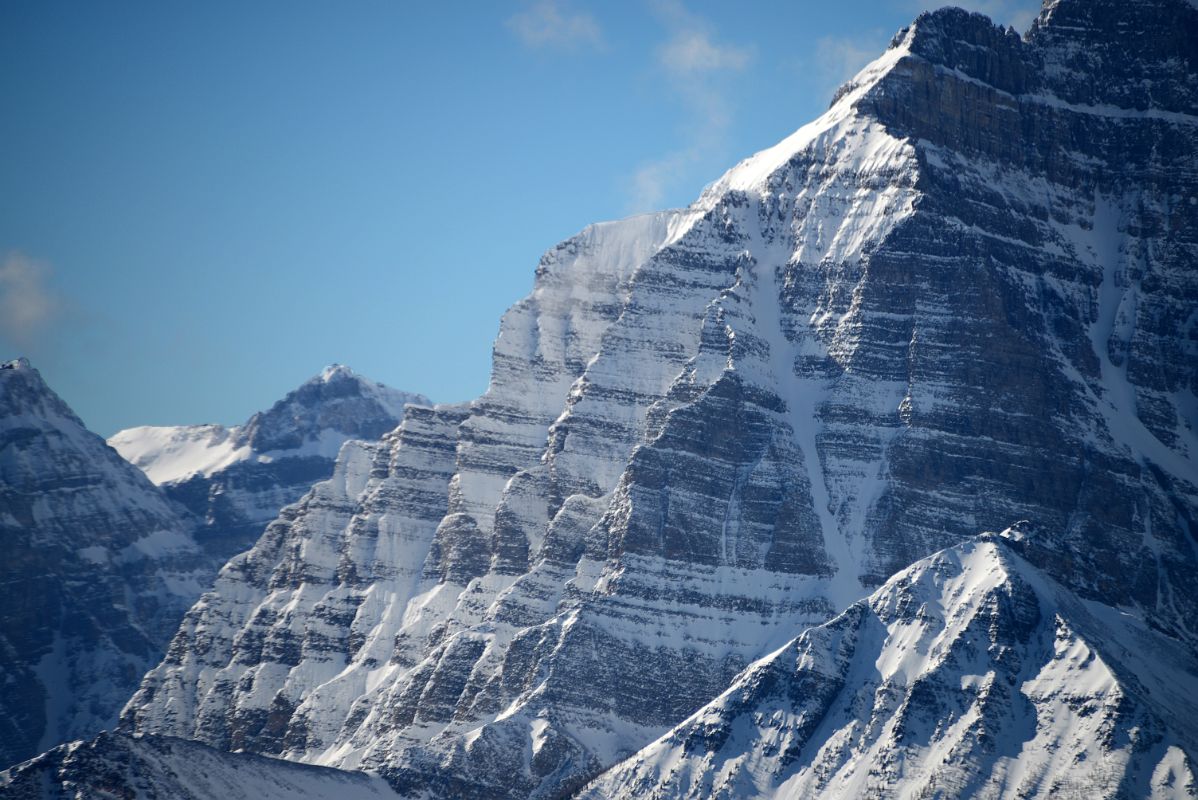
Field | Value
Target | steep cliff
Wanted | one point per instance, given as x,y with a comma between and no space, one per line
98,568
962,297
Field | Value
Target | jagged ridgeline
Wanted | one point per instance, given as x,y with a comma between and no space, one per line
969,674
964,296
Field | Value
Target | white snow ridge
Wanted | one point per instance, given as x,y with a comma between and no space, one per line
969,674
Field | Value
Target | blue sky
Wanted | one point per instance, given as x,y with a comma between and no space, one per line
205,203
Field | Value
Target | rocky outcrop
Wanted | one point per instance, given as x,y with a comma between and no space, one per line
237,479
963,296
97,571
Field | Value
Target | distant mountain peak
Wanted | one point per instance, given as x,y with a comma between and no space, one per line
311,420
17,363
337,402
335,372
23,391
238,478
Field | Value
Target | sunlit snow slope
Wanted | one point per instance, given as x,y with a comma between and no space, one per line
969,674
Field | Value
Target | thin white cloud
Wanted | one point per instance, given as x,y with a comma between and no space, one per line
690,48
27,303
696,67
651,180
691,51
553,24
839,58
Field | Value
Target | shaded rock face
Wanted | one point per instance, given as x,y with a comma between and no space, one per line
237,479
237,502
962,297
970,674
97,571
336,400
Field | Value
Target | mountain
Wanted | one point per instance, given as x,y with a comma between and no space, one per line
101,564
969,674
238,478
962,297
161,768
98,569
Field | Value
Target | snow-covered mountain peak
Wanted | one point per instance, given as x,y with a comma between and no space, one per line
941,37
28,403
314,419
335,372
98,568
752,174
335,404
1075,37
21,362
971,673
22,370
709,430
172,453
237,478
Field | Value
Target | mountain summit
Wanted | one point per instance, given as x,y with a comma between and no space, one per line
962,297
969,674
238,478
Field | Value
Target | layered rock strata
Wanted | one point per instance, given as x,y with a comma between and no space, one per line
963,296
98,568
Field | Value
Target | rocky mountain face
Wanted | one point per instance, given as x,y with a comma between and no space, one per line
962,297
101,564
237,479
98,568
969,674
161,768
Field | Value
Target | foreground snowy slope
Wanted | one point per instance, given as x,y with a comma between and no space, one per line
160,768
963,297
237,479
969,674
97,570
